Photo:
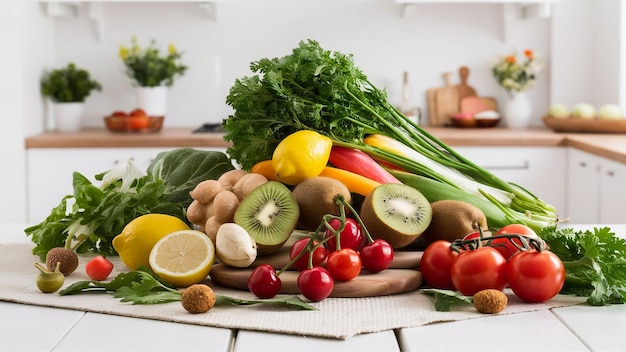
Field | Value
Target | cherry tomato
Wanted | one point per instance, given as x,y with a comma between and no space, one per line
344,264
535,276
350,237
264,282
504,245
98,268
315,284
377,256
436,263
319,254
478,269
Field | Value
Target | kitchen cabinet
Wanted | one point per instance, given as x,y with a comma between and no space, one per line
541,170
596,192
50,171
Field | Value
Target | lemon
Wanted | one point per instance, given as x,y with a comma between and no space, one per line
301,155
183,258
138,237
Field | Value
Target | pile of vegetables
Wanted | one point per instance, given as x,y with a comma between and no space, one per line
323,91
99,213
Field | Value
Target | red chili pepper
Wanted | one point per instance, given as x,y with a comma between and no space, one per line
360,163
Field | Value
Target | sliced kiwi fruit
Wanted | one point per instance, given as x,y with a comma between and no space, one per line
452,219
316,198
397,213
269,213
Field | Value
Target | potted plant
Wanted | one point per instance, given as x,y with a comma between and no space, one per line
67,88
516,76
152,73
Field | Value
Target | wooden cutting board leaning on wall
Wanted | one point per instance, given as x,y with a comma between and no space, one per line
463,88
446,102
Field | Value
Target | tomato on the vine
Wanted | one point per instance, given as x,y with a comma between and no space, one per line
315,284
436,263
344,264
535,276
350,237
264,282
377,256
319,254
478,269
505,246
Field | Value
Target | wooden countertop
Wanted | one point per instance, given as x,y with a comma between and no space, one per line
606,145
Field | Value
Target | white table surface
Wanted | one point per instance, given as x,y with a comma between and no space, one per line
575,328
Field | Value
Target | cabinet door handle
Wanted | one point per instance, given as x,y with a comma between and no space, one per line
523,166
582,164
610,173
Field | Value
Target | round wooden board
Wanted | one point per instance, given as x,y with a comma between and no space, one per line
402,276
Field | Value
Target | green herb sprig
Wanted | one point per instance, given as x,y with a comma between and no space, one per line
145,287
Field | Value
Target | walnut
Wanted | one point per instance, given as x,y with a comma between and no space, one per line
490,301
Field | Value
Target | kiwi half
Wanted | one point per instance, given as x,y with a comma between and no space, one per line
397,213
269,213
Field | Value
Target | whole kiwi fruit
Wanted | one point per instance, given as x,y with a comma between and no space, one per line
316,198
396,213
452,219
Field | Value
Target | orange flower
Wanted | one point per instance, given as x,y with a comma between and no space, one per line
529,54
510,59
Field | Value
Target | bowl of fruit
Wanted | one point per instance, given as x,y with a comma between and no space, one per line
136,121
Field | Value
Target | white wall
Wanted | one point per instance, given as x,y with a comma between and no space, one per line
586,52
430,40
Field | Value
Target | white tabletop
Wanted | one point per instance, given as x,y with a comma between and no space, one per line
575,328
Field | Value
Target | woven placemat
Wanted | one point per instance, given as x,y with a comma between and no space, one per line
338,318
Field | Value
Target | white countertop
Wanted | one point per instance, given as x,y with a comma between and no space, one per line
574,328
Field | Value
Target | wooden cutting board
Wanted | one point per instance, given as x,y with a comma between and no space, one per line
463,88
432,108
446,101
401,277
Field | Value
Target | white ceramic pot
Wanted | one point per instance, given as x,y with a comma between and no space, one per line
153,100
518,111
67,116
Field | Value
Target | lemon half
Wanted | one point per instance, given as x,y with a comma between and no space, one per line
183,258
138,237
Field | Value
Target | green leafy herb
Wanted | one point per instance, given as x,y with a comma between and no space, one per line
101,212
145,287
595,263
324,91
445,299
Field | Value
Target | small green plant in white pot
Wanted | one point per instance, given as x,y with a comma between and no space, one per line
67,88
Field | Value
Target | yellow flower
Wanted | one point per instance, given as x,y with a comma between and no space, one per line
171,49
123,52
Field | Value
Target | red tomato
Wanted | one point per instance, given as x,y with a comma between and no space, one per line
319,254
478,269
138,112
344,264
535,276
139,122
119,113
350,237
264,282
436,263
505,246
315,284
377,256
98,268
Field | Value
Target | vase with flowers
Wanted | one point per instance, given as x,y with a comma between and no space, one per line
152,73
516,76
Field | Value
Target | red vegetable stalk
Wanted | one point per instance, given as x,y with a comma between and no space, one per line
359,162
